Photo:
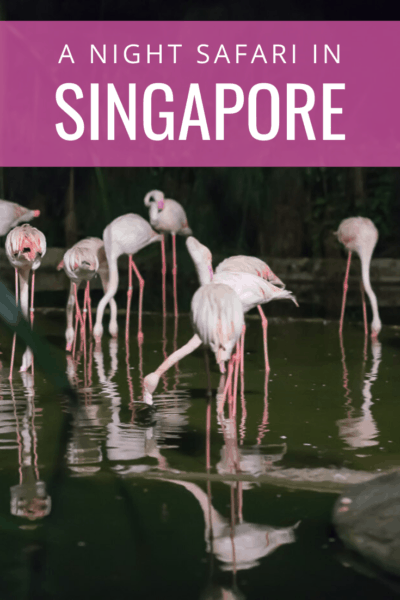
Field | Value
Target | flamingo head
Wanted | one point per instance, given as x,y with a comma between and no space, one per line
154,196
376,326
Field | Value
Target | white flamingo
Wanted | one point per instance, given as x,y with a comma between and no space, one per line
12,214
81,263
25,248
217,318
360,235
251,289
125,235
167,216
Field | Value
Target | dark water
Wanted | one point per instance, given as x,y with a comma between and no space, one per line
175,502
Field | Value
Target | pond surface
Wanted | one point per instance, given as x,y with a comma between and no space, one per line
174,501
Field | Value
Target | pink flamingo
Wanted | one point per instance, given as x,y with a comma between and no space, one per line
217,318
251,289
167,216
125,235
360,235
250,264
25,248
12,214
81,263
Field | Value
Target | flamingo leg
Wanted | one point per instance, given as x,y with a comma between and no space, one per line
129,299
227,386
174,272
164,273
15,335
264,323
345,288
78,317
32,310
141,285
242,350
89,307
364,308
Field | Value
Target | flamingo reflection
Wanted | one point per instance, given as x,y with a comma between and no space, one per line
29,497
362,431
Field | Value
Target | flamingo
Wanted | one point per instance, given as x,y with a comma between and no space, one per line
217,318
12,214
251,289
125,235
360,235
81,263
167,216
25,248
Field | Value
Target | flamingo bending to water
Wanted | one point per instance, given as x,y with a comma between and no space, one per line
12,214
81,263
360,235
251,289
125,235
167,216
25,248
217,318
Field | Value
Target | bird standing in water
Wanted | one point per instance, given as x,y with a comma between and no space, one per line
81,263
12,214
167,216
125,235
360,235
252,289
217,318
25,248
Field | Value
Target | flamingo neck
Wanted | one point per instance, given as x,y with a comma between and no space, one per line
376,324
204,272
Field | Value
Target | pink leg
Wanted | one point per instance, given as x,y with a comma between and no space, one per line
227,385
141,284
129,299
164,273
15,335
364,309
345,288
89,307
174,272
236,358
242,350
78,317
32,296
264,323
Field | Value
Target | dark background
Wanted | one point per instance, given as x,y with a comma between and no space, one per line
271,212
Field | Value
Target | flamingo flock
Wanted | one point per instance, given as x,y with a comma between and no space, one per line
238,284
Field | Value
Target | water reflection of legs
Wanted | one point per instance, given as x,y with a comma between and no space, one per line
264,423
345,377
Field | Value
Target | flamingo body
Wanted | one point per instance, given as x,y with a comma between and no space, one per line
359,234
250,264
166,216
125,235
12,214
217,318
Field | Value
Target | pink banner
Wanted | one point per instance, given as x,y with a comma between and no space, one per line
199,94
